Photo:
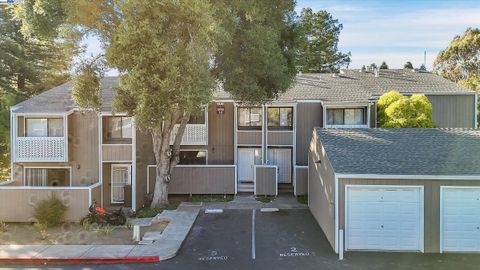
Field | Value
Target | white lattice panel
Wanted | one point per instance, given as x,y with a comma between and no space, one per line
195,134
40,149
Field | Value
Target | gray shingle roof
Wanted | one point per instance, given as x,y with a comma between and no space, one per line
348,86
402,151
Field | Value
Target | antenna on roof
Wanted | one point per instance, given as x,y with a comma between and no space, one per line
425,58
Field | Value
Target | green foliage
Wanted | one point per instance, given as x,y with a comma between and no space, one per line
408,65
398,111
3,227
318,46
86,91
372,66
264,199
50,212
42,230
383,65
104,230
303,199
256,62
148,212
210,198
460,60
87,226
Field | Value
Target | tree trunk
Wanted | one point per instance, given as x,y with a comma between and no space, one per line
166,156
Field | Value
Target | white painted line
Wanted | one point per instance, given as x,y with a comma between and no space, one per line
268,210
253,234
213,211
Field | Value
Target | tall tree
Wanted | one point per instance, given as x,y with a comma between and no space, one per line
172,54
383,65
460,61
318,46
29,65
408,65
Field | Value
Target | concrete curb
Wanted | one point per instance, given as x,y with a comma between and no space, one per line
164,249
77,260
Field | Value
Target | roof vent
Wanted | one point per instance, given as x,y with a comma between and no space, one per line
377,73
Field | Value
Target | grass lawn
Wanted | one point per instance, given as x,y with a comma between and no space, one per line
151,212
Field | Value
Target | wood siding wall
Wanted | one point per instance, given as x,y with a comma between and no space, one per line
145,157
265,181
112,152
431,203
83,147
309,115
276,138
453,111
373,115
249,137
21,203
321,184
220,135
301,181
202,180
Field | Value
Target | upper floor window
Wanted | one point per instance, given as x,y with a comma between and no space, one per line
280,118
250,118
192,157
44,127
118,128
346,116
197,118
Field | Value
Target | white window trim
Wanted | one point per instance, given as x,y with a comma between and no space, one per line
364,107
69,168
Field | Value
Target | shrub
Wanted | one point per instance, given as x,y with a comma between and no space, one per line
3,227
42,229
50,212
398,111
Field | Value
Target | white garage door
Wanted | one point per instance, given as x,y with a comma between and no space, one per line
384,218
460,219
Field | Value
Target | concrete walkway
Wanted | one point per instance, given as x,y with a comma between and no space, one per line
181,221
247,201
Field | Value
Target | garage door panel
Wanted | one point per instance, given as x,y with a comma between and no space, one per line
383,218
460,219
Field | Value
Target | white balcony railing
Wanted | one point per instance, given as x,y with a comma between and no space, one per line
195,134
40,149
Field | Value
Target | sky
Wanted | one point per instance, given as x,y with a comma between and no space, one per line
394,31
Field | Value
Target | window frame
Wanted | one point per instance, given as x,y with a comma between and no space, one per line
250,127
46,126
364,116
108,124
279,127
70,175
194,150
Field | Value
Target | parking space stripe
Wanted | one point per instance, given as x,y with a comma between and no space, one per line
253,234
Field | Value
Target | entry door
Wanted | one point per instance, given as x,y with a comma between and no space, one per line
460,219
282,157
247,158
384,218
121,176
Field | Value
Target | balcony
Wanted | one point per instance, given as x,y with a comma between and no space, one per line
40,149
195,134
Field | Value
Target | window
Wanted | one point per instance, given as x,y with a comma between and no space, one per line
353,116
118,127
44,127
47,177
250,118
193,157
280,118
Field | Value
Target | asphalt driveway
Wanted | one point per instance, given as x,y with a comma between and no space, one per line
289,239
